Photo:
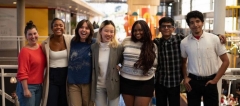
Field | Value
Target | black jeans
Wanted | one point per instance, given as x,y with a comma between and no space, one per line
165,95
209,93
57,87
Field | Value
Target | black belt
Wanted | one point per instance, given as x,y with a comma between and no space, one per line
192,76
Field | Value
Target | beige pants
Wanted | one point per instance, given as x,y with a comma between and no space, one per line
79,95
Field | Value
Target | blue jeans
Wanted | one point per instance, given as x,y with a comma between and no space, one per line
36,91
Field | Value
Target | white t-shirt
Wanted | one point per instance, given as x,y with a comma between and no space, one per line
58,59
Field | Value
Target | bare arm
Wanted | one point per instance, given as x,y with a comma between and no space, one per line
43,48
26,91
186,78
184,67
222,69
222,39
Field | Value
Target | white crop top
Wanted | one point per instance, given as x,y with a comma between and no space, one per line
58,58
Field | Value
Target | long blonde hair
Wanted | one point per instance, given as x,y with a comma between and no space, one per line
113,42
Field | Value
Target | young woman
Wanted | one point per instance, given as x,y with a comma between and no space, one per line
31,64
105,77
137,72
80,65
56,48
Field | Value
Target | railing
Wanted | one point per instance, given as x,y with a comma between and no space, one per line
15,42
7,96
3,75
8,58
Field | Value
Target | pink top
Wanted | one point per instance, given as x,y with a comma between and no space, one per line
31,65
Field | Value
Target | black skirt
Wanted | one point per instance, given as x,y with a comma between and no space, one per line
137,87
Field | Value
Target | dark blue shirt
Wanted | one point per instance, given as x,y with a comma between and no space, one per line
80,63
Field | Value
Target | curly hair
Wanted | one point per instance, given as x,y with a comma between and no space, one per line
56,19
147,55
194,14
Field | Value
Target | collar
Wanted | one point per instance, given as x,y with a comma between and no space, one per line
168,40
202,36
106,44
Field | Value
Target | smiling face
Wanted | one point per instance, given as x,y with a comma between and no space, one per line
32,36
166,29
138,32
84,32
196,26
107,33
58,28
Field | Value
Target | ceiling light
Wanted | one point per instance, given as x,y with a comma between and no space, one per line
13,80
14,2
70,6
76,8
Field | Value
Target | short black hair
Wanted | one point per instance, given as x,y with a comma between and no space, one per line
55,19
194,14
166,20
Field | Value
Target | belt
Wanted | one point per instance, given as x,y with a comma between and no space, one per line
192,76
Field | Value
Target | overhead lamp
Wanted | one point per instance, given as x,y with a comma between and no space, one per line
76,8
13,80
159,13
70,6
135,14
14,2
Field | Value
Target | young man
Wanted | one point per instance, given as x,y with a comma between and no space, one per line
202,50
168,74
169,70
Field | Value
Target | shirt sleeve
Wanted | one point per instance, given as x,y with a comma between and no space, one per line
183,49
220,48
23,65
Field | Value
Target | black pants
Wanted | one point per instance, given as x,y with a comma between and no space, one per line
165,95
209,93
57,87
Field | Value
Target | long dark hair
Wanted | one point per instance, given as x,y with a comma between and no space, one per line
29,26
147,55
77,38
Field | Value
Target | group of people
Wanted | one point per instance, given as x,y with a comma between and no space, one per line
83,71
